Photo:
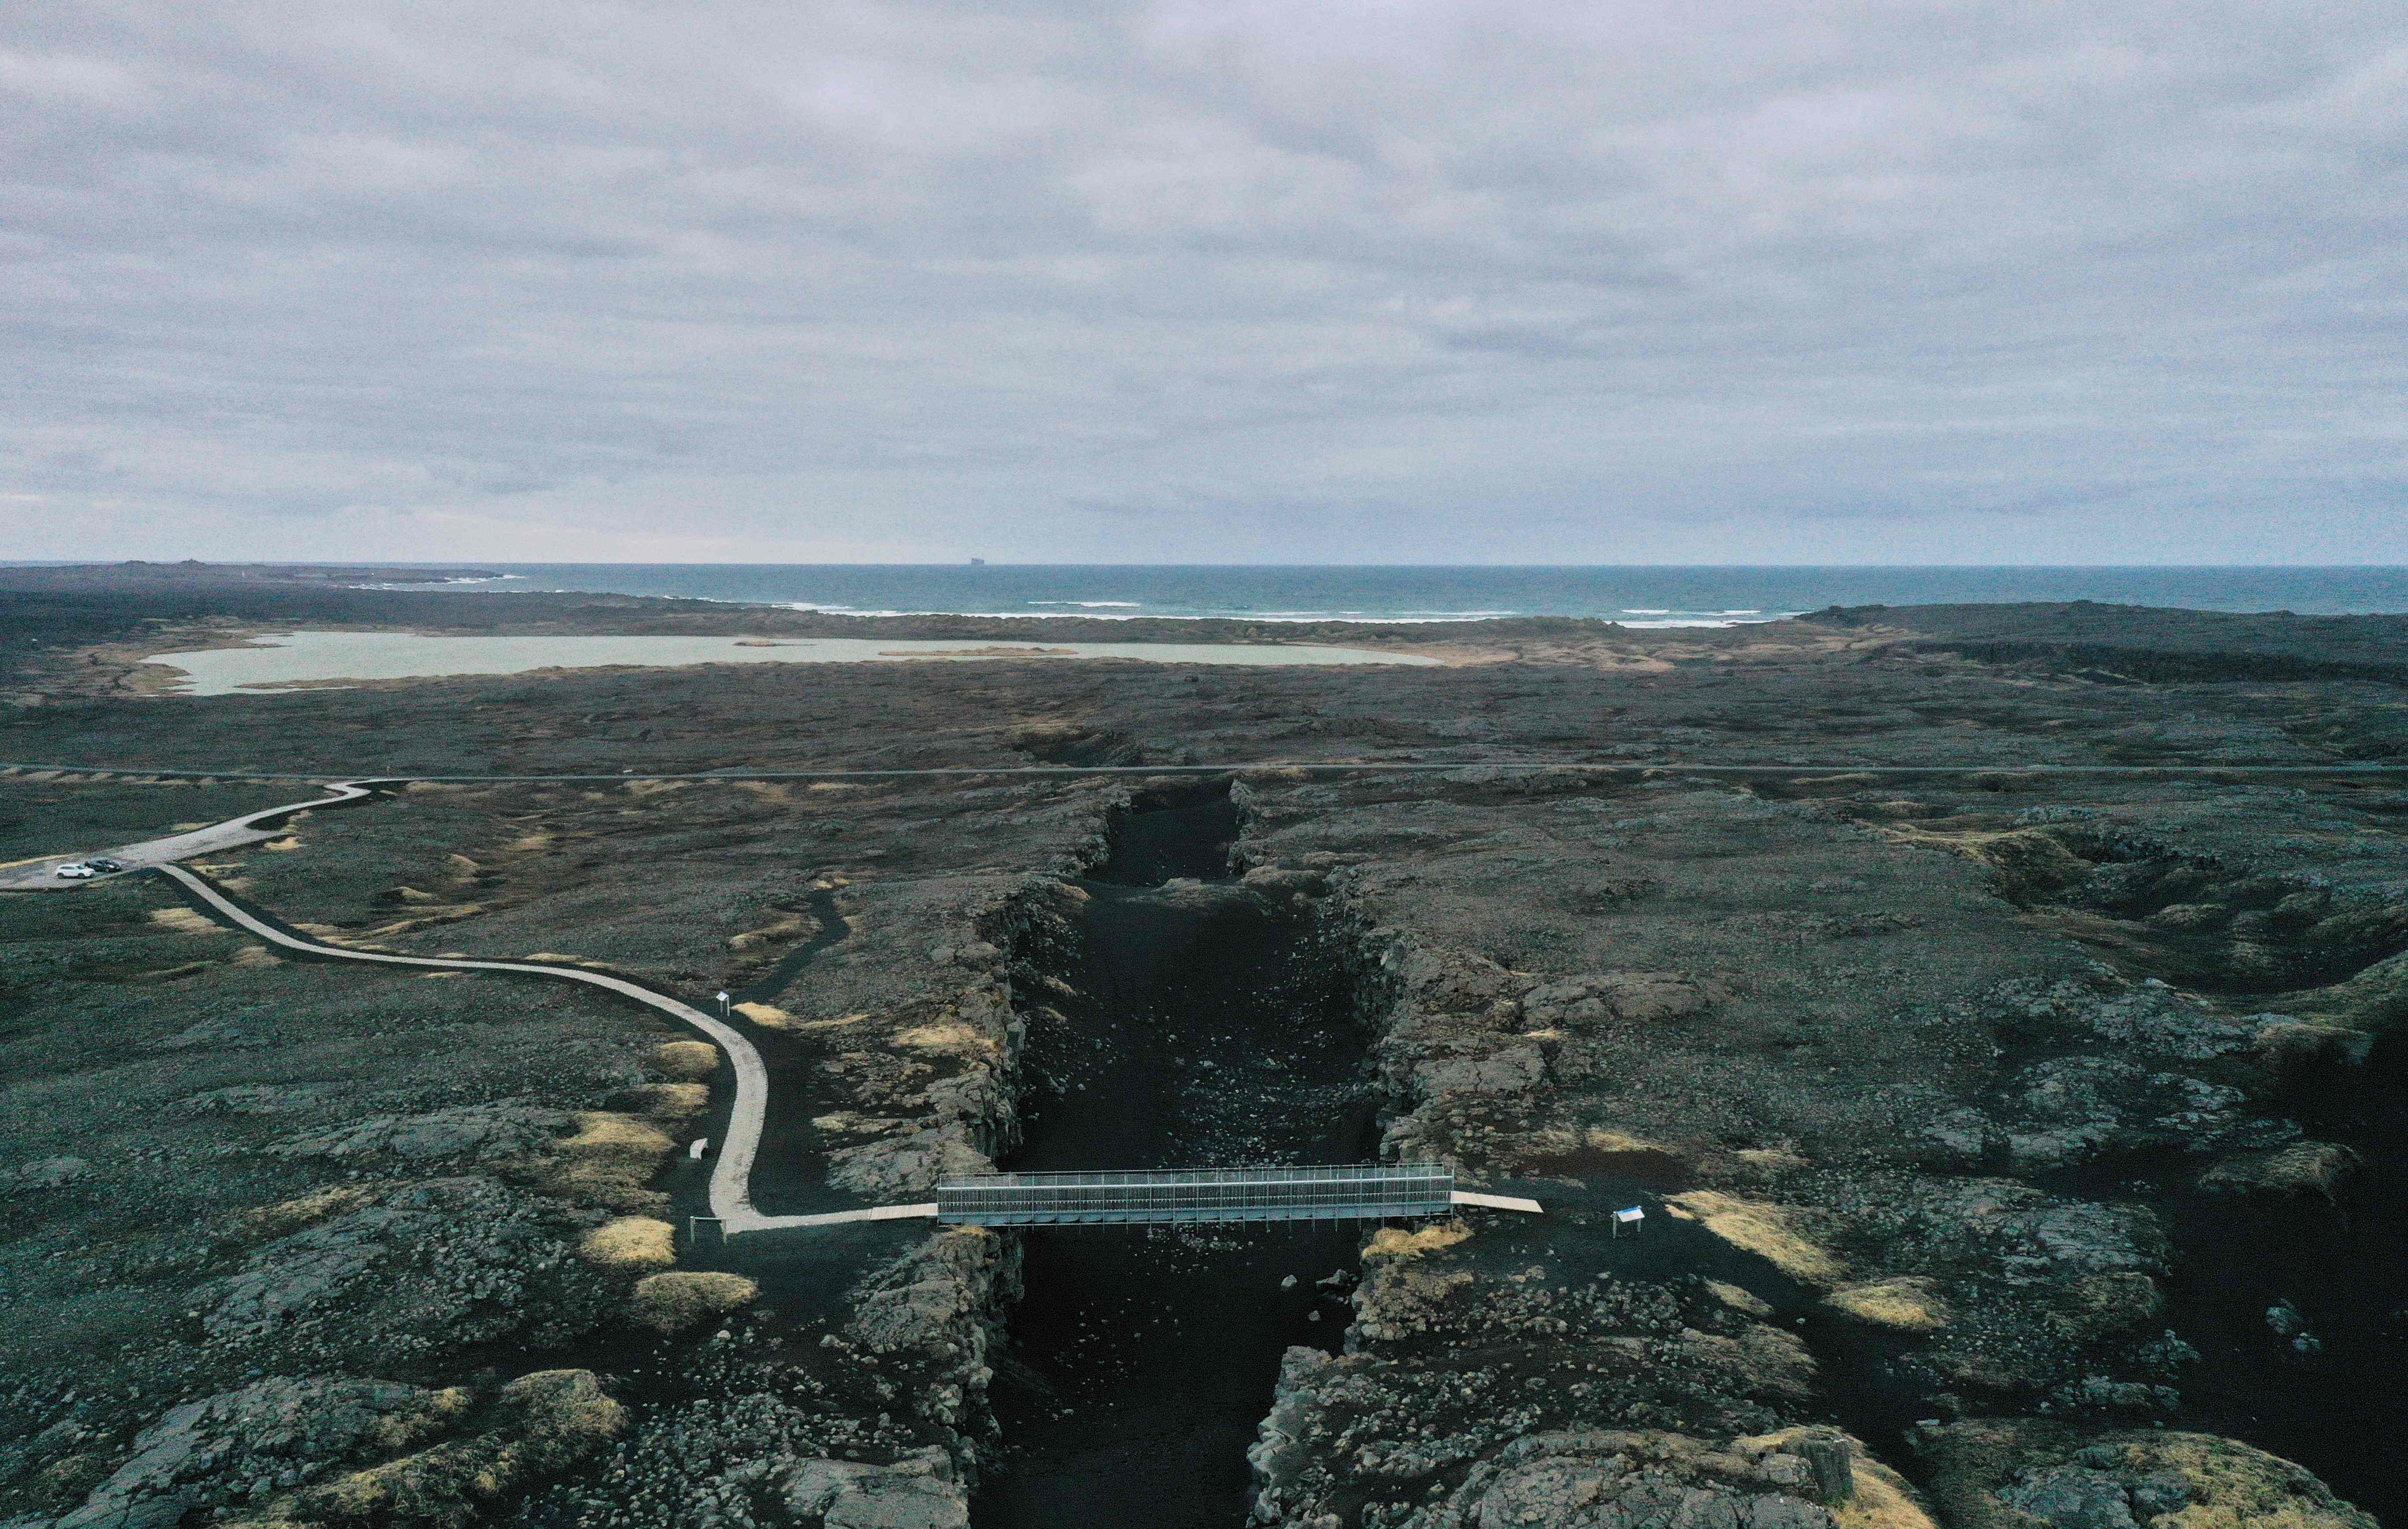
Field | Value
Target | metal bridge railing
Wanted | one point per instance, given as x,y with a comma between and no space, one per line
1340,1192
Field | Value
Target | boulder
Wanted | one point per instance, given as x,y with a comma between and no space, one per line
1631,997
2303,1168
2070,1497
916,1492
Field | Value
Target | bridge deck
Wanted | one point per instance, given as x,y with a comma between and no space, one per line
1346,1192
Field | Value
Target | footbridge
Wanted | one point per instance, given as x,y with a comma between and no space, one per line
1184,1196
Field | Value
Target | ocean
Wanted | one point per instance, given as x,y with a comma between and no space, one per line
1635,596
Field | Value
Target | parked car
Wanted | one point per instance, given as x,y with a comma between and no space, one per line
106,866
77,871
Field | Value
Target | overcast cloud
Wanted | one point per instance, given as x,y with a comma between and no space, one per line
1419,281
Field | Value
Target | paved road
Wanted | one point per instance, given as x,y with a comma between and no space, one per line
42,875
731,1191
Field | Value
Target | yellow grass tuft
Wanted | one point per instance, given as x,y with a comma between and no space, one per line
284,846
685,1060
1906,1305
631,1242
450,913
1396,1242
1883,1500
943,1037
847,1122
1596,1138
838,1023
671,1303
608,1131
266,1222
1770,1162
765,1013
1737,1299
254,959
787,928
184,921
670,1102
609,1161
1754,1226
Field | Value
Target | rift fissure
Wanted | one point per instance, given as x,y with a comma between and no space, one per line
1176,1017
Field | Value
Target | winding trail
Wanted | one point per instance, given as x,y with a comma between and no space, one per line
731,1190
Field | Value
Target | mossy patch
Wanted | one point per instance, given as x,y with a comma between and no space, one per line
1737,1299
950,1037
685,1060
668,1103
609,1162
185,921
1905,1304
269,1222
1396,1242
631,1242
671,1303
1765,1229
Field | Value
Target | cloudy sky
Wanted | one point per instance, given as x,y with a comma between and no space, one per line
1389,280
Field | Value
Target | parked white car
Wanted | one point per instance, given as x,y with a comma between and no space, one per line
77,871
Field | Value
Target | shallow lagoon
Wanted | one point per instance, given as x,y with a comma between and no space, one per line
299,658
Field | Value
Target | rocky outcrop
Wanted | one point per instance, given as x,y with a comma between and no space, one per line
941,1293
274,1436
535,1427
1619,1478
907,1166
1996,1473
1613,1480
44,1173
412,1270
505,1128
